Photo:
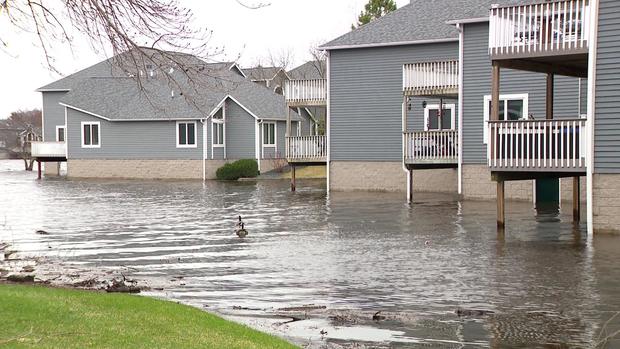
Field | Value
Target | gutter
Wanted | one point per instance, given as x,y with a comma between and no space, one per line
388,44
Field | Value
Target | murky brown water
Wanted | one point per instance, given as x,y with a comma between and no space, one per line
354,253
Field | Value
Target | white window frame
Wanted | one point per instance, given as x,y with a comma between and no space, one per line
214,123
275,135
503,98
91,123
429,107
64,133
176,131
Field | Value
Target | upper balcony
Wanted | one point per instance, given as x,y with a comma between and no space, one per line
49,151
304,93
439,78
548,29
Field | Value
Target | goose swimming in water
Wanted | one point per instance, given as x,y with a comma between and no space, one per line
240,229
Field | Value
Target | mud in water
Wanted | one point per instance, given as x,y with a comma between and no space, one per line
348,270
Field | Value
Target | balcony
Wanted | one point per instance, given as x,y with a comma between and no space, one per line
303,93
537,146
306,149
431,78
56,151
552,28
431,149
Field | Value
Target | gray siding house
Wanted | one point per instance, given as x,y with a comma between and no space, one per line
107,125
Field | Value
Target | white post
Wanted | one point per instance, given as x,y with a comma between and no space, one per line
593,41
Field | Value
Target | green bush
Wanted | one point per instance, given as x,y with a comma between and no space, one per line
239,169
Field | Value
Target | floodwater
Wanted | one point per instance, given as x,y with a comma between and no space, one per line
542,284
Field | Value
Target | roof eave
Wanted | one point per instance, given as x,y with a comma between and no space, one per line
468,20
388,44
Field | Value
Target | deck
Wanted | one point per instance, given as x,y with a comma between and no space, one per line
438,78
306,93
49,151
431,149
306,150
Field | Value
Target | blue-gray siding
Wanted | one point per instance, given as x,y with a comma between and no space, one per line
477,84
240,132
129,140
366,99
607,122
53,114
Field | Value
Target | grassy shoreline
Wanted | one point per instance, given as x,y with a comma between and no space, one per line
43,317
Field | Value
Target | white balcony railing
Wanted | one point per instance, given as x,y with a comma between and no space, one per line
552,145
430,78
550,27
431,147
309,92
49,149
306,149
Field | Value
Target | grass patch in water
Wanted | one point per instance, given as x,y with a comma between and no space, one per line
41,317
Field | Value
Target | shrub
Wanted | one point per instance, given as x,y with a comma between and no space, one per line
247,168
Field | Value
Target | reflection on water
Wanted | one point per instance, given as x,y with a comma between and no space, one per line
355,253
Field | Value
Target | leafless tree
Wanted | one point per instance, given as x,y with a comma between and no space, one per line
27,127
319,59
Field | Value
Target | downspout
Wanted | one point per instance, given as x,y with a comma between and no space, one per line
403,140
204,149
459,27
328,120
257,143
593,42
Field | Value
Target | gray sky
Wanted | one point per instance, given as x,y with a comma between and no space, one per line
285,25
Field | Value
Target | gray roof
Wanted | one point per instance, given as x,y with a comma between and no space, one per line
312,70
197,92
418,21
261,73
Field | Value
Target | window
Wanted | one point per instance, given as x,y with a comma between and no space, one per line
512,107
431,117
218,133
91,132
60,133
269,134
186,134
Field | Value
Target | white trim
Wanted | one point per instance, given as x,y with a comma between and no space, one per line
468,20
593,53
328,120
239,69
213,133
203,124
52,90
64,128
503,98
84,111
275,135
91,123
386,44
126,120
460,107
257,148
429,107
176,131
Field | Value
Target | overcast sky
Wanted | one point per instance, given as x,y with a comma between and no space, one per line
284,25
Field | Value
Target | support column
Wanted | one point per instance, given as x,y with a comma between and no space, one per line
550,91
440,115
576,199
501,214
38,169
495,85
410,186
293,184
288,122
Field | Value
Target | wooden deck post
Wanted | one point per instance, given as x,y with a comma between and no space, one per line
293,184
38,169
576,199
288,122
495,86
410,186
550,91
501,214
440,115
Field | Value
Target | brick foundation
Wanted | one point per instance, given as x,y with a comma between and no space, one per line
135,169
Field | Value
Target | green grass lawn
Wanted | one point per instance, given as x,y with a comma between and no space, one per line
32,316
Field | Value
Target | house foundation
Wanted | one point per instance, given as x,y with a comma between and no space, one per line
478,185
135,169
51,169
606,206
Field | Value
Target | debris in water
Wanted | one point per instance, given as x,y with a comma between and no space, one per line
377,317
472,312
122,286
28,269
20,278
41,232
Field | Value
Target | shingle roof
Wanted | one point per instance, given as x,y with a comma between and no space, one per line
197,92
261,73
418,21
312,70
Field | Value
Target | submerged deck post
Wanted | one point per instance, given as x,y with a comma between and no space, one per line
501,214
576,199
293,185
410,186
38,169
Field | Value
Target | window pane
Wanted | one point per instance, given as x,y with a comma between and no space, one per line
61,134
86,134
265,133
182,134
272,134
446,119
515,109
95,131
220,128
433,119
191,136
